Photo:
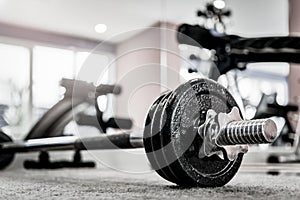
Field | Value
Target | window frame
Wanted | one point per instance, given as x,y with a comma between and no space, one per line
30,44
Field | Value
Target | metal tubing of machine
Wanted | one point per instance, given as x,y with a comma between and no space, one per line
105,141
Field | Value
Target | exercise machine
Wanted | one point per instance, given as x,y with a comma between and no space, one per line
233,52
53,122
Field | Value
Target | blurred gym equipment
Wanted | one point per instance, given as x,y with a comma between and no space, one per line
232,52
53,122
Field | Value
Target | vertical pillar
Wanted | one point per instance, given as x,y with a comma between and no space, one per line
30,101
294,77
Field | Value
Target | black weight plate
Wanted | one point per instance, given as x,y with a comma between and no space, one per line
5,159
186,106
157,123
152,140
170,160
191,103
170,157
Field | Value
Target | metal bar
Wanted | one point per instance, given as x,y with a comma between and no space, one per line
55,143
107,141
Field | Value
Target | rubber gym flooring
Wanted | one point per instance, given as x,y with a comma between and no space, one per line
104,183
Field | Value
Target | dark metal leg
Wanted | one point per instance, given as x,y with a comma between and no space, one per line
45,163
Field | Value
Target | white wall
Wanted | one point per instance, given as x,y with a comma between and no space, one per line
259,17
139,70
137,61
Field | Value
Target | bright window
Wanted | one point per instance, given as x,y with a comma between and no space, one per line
50,65
90,64
14,76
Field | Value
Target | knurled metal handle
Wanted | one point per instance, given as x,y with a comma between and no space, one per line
259,131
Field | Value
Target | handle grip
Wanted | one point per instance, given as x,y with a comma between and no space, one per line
196,35
119,123
107,89
259,131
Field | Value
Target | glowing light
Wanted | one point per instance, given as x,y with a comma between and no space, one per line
220,4
100,28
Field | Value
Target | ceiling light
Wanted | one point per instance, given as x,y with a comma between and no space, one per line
100,28
220,4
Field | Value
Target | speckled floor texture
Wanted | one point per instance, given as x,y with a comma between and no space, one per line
109,184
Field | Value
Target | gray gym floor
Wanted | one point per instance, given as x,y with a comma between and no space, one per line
108,184
104,183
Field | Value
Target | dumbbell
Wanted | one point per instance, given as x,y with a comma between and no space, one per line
193,136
